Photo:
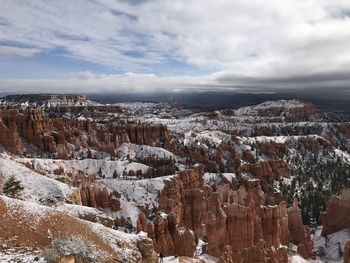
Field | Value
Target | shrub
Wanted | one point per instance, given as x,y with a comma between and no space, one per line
12,187
73,246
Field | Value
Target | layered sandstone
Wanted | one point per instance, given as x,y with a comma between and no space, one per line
9,137
347,252
63,137
298,233
274,168
93,196
260,253
168,237
337,215
239,218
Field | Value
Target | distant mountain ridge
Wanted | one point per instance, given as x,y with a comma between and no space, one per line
47,100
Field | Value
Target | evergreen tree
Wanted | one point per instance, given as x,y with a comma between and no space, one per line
12,187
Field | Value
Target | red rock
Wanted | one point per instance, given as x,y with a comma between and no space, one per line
274,168
227,255
337,215
347,252
223,216
54,134
9,136
298,233
94,196
260,253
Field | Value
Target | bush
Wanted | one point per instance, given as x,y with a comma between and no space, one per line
12,188
51,255
73,246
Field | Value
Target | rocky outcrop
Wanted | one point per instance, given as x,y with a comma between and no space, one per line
63,137
227,255
300,112
34,126
9,136
337,215
225,217
261,253
168,237
94,196
347,252
273,168
148,134
146,248
298,233
258,253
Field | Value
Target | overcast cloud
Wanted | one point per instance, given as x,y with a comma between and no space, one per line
223,44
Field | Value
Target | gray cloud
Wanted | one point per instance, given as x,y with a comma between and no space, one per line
245,43
19,51
89,82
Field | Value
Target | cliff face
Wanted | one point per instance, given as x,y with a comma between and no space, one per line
274,168
347,252
36,128
9,137
337,215
31,125
92,195
258,253
239,218
62,136
298,233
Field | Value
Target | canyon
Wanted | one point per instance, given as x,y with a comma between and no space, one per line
262,183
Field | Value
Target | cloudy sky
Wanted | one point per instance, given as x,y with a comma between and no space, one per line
131,45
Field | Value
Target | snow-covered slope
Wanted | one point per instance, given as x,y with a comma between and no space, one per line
37,188
332,246
132,151
88,166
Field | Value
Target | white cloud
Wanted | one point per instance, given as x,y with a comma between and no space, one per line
244,38
19,51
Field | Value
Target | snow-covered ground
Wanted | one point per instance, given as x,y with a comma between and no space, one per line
203,258
37,188
132,151
142,192
212,138
277,139
88,166
331,247
124,244
12,256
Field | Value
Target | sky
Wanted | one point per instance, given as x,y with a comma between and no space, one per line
84,46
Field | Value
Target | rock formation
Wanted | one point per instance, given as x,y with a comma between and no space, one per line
239,218
63,137
337,215
146,248
261,253
273,168
9,137
347,252
298,233
92,195
168,237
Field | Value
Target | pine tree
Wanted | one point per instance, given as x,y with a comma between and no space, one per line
12,187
